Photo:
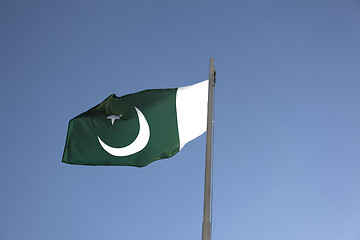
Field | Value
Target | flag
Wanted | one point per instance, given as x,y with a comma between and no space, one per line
139,128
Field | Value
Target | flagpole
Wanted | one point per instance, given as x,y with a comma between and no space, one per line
207,221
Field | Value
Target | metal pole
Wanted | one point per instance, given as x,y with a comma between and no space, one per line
206,226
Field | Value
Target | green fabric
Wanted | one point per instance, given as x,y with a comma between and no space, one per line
159,108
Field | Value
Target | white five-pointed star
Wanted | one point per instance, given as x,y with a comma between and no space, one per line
113,118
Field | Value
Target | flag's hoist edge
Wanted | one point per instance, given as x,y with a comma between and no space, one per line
191,109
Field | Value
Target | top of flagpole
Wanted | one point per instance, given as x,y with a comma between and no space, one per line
212,71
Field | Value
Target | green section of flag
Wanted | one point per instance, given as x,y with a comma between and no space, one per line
157,106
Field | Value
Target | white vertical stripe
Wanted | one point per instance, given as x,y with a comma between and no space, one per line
191,109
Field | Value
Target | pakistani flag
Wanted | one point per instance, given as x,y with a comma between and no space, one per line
139,128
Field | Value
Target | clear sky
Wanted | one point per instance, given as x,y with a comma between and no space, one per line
287,118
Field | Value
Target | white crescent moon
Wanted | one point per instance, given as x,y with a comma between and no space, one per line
137,145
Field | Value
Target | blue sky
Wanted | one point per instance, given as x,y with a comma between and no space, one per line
287,132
